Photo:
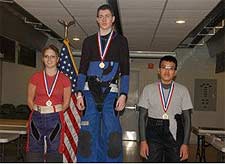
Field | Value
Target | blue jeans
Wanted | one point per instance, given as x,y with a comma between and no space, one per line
44,128
162,145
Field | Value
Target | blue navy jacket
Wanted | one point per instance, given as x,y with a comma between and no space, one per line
116,62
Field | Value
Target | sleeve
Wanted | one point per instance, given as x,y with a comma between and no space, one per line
187,126
142,122
186,101
66,81
84,64
34,79
143,100
124,67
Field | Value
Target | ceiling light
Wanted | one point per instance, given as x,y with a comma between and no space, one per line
76,39
180,21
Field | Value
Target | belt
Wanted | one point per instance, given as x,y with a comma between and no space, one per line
157,122
113,87
103,83
48,109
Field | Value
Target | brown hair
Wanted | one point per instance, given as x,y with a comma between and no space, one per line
105,7
52,47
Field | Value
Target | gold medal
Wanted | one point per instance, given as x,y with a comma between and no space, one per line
165,116
101,65
48,103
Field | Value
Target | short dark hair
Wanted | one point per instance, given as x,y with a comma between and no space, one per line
52,47
169,59
105,7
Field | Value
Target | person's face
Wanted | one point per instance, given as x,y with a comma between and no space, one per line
50,59
167,72
105,19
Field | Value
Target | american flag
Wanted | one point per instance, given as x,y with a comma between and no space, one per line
72,115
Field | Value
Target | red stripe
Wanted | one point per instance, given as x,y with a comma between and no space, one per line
72,143
73,120
71,140
67,155
75,102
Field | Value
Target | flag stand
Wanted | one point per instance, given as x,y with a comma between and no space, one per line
66,26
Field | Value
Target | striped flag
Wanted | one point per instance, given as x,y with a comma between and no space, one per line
72,115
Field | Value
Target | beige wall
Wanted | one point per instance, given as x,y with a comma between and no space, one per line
197,64
14,81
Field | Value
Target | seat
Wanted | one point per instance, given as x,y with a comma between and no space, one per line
22,112
7,111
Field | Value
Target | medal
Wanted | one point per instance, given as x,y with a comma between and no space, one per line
50,89
165,101
165,116
101,65
48,103
103,54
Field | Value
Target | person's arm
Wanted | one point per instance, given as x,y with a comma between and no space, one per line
84,64
124,77
187,132
142,122
144,149
80,101
187,126
124,67
66,97
31,95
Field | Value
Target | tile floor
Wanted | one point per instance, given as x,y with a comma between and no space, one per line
131,153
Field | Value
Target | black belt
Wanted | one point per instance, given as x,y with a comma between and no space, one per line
157,122
101,83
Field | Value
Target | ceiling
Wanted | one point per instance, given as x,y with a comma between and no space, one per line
149,25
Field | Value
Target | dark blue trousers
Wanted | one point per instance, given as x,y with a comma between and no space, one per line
162,145
44,127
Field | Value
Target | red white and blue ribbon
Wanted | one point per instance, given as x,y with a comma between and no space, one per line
165,102
50,89
103,54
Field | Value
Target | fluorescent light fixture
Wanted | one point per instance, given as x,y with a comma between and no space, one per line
180,21
76,39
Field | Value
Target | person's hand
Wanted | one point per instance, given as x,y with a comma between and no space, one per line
184,152
144,149
80,102
121,102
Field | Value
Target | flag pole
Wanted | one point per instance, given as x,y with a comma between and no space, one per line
71,116
66,26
